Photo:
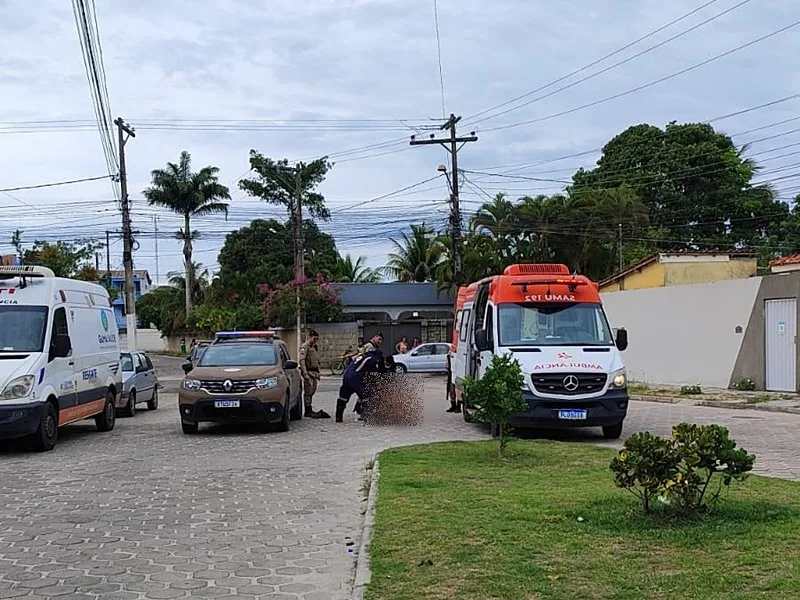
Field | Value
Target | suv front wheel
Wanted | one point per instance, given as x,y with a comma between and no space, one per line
283,424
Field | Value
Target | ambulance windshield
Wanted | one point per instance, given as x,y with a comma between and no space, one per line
22,328
553,324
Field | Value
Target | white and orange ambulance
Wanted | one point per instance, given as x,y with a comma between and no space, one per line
553,323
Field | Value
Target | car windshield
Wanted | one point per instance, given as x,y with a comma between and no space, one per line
127,362
239,354
22,328
553,324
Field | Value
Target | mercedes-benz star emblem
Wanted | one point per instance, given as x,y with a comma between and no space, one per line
570,383
228,385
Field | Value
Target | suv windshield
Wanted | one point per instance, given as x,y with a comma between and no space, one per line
553,324
238,354
22,328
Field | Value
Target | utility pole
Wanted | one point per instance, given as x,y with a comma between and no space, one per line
619,247
300,267
97,261
127,237
155,226
108,256
451,144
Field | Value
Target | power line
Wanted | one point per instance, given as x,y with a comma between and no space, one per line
647,85
439,53
45,185
622,62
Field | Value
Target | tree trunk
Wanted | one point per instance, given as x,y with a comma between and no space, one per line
187,263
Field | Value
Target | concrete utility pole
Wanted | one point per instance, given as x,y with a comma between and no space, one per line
127,237
108,256
451,144
619,245
155,227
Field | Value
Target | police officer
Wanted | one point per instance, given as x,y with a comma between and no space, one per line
353,379
309,368
374,343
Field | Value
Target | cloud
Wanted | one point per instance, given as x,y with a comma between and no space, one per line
360,59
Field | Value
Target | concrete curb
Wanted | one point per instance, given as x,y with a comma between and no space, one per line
363,573
717,404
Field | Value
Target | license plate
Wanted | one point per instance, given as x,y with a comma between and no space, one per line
226,404
572,415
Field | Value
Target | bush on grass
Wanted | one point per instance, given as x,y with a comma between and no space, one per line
497,395
679,471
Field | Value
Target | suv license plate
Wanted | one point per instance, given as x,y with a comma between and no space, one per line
226,404
572,415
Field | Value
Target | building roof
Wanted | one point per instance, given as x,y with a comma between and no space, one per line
140,273
655,257
791,259
392,294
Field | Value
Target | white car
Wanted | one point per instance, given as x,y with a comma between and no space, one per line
425,358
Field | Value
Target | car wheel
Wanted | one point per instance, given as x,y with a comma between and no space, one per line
152,404
189,428
106,419
46,435
283,425
130,407
400,368
297,411
612,432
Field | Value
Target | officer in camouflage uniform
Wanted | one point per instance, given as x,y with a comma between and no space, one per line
309,367
374,343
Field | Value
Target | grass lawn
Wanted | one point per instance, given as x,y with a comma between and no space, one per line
509,528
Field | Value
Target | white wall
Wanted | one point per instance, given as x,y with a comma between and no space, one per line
683,334
149,340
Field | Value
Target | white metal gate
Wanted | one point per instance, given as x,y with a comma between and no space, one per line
780,324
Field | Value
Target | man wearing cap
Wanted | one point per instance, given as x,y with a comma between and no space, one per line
309,367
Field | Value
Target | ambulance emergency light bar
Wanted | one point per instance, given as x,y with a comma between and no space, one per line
26,271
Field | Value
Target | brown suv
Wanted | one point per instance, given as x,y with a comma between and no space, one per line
242,377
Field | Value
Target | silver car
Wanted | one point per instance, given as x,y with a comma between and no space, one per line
425,358
139,382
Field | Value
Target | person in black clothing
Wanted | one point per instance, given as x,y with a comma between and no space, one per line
353,380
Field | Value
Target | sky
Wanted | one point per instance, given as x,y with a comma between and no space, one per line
353,79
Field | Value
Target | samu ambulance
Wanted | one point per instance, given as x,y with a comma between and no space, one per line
59,355
553,323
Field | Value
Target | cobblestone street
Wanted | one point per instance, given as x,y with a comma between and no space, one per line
234,513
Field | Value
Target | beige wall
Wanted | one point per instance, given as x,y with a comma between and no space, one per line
684,334
650,276
708,271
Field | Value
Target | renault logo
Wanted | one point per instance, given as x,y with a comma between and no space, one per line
228,385
570,383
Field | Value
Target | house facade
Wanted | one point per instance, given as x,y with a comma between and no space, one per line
667,269
142,285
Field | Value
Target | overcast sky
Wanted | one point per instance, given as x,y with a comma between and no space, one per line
249,63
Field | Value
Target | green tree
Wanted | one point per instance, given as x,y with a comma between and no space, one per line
348,270
199,275
164,307
319,301
65,259
278,184
417,256
188,194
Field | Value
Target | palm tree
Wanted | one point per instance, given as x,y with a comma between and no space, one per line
416,257
354,271
199,277
189,195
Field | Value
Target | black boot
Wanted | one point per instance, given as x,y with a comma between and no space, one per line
453,407
309,411
340,406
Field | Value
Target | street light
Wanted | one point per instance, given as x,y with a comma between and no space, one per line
443,169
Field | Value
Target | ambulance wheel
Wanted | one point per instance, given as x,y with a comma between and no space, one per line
612,432
106,419
46,435
130,407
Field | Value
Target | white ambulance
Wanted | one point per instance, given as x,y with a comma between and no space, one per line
59,355
554,325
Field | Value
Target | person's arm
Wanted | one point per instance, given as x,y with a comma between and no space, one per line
302,362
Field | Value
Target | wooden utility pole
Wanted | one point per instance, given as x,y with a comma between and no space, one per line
127,237
300,249
451,144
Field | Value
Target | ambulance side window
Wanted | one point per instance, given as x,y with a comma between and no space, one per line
462,334
480,306
60,344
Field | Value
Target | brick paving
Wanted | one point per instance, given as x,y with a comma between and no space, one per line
233,513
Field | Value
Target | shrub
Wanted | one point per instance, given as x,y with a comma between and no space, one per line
680,470
745,385
691,390
498,395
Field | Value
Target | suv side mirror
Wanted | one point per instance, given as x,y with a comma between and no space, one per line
622,339
482,342
291,365
187,367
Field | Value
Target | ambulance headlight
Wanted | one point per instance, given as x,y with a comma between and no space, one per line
191,384
619,379
18,388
